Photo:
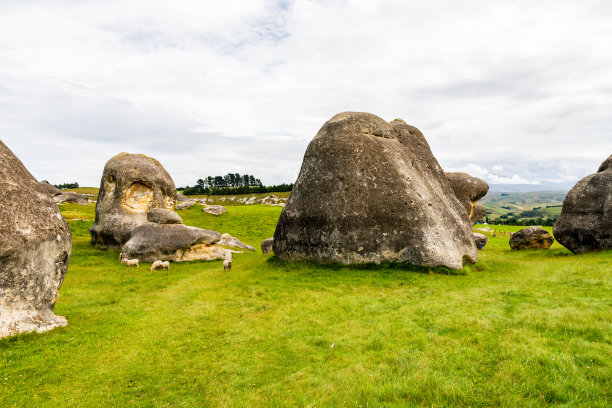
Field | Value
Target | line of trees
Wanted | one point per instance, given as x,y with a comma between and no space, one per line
232,183
548,221
63,186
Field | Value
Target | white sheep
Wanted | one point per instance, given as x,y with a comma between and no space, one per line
130,262
157,265
227,265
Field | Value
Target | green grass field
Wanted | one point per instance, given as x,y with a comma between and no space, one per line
530,328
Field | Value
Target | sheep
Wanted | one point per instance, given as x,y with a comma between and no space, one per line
157,265
227,265
165,265
130,262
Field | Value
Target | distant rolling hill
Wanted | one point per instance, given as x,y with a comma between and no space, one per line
499,203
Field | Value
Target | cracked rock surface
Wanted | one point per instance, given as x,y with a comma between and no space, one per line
372,191
35,246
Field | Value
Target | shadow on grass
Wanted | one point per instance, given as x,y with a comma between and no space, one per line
274,261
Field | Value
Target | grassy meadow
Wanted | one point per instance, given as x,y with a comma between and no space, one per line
517,329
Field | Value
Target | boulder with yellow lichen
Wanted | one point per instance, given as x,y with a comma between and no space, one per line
131,185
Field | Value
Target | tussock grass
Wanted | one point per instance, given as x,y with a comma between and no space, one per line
527,328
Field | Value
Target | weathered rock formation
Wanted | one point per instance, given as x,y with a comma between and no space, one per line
266,245
71,197
35,245
214,209
372,191
131,185
585,224
173,242
531,238
480,240
469,190
163,216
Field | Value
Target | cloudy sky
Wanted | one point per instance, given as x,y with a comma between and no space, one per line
518,93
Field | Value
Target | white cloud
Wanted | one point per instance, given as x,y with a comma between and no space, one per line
490,176
213,87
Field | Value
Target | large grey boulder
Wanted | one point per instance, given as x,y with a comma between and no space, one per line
131,185
35,246
173,242
469,190
531,238
585,223
372,191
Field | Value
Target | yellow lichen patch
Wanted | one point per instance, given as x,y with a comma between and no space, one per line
137,198
168,203
201,251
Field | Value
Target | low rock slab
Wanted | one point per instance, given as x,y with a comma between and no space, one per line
185,205
214,209
174,242
71,197
531,238
228,240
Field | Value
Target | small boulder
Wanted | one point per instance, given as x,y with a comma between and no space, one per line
174,242
228,240
163,216
480,240
266,245
585,223
531,238
35,246
214,209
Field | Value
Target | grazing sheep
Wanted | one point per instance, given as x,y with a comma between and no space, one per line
157,265
227,265
130,262
165,265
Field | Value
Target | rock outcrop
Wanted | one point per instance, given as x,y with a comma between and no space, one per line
131,185
372,191
480,240
173,242
35,246
585,223
469,190
266,245
531,238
